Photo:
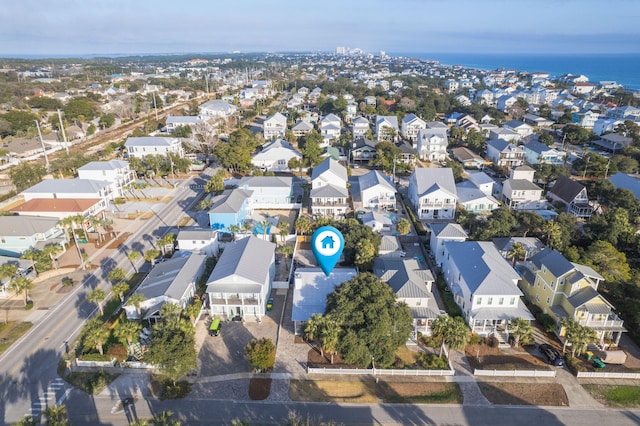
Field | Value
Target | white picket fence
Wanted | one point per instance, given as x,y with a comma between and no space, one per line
515,373
601,375
379,372
81,363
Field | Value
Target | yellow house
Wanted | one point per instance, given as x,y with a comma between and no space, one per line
565,289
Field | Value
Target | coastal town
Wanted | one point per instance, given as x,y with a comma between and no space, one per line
156,256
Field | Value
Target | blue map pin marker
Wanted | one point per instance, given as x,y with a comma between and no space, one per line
327,244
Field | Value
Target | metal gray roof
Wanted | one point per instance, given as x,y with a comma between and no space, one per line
429,180
330,166
253,182
523,185
448,230
188,119
67,186
469,192
483,269
150,141
586,295
404,276
537,147
479,177
105,165
329,191
588,271
172,277
230,201
196,233
25,226
389,243
554,261
311,288
374,178
502,312
244,265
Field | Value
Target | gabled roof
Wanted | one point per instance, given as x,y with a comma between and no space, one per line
566,188
329,191
467,192
230,201
329,166
448,230
331,118
360,120
105,165
183,119
374,178
503,145
479,177
586,295
372,216
302,126
244,264
522,185
278,118
390,120
554,261
150,141
404,276
389,243
171,278
538,147
514,124
25,226
62,205
67,186
363,143
409,118
430,180
253,182
196,233
482,268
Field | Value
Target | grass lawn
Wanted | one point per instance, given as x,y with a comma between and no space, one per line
10,332
615,396
510,393
369,392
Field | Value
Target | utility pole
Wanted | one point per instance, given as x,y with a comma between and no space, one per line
64,134
44,151
154,105
585,167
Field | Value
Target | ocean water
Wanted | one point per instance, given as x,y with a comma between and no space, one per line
622,68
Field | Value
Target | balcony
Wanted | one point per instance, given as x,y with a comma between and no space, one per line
235,301
438,205
611,322
319,202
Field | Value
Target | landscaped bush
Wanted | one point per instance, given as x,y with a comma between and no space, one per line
475,339
28,306
547,322
98,381
170,390
429,341
493,342
574,364
96,357
432,362
118,352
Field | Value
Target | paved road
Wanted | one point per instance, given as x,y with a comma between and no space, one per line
28,377
103,410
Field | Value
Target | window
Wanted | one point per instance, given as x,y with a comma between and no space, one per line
512,301
548,300
490,301
501,301
537,297
478,300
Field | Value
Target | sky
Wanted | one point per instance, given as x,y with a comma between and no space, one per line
89,27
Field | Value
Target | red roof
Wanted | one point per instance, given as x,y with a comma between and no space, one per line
62,205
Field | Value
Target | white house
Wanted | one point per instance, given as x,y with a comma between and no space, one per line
474,200
441,233
376,221
359,127
373,191
432,143
275,156
504,153
519,192
268,192
432,192
538,153
140,147
330,127
275,126
172,281
70,188
412,285
481,180
240,283
484,286
301,128
175,121
411,125
198,240
522,129
504,134
363,149
573,195
386,127
116,172
310,289
329,194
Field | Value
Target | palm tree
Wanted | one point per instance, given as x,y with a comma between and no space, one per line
21,285
313,327
116,275
56,415
98,296
330,335
265,225
303,225
578,335
120,289
133,257
52,250
166,240
235,229
520,329
246,226
287,250
516,252
193,310
570,328
127,331
96,334
68,224
136,300
165,418
283,229
450,331
8,270
150,255
554,234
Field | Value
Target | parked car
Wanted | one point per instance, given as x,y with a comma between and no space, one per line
551,355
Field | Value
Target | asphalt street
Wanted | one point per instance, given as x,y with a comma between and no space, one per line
28,370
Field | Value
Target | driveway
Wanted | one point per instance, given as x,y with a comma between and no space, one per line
225,354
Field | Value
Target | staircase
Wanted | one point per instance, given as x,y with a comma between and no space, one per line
503,338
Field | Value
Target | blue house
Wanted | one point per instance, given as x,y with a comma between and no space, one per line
232,207
21,233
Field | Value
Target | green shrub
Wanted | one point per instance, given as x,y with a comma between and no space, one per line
432,362
493,342
171,390
28,306
430,342
98,381
119,201
475,339
574,364
96,357
547,322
